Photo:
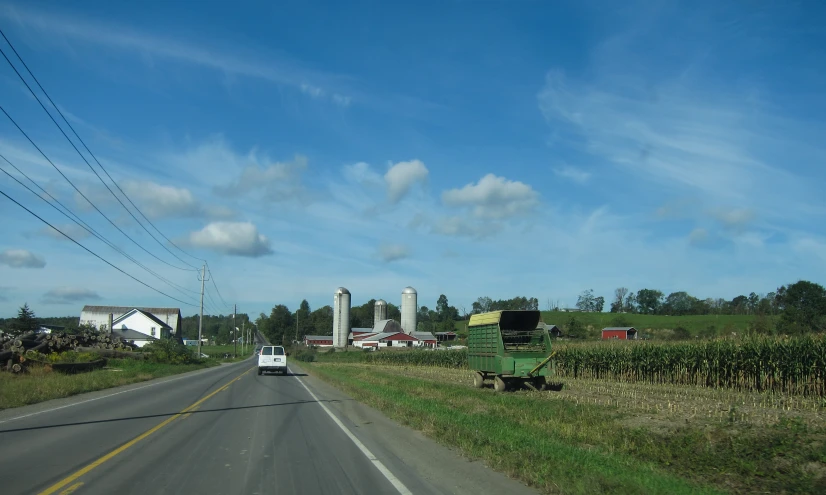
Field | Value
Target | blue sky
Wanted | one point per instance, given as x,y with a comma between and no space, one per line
471,148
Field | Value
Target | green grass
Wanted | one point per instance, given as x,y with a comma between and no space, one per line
654,326
515,436
40,384
560,446
216,352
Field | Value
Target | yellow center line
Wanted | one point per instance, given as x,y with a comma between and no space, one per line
85,470
71,488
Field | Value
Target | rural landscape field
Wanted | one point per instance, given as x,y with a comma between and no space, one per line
748,417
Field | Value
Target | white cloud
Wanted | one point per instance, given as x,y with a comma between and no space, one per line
69,295
342,100
278,181
393,252
573,173
21,258
493,197
233,238
401,177
162,201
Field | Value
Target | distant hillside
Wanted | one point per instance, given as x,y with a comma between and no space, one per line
654,326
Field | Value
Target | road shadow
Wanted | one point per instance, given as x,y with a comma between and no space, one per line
165,415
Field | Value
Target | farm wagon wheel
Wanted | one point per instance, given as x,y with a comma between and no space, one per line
499,384
478,379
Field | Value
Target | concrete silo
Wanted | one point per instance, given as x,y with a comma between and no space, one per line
380,312
341,317
410,310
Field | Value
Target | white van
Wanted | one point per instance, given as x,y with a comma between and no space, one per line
272,358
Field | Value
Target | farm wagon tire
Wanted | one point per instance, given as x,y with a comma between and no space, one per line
499,384
478,380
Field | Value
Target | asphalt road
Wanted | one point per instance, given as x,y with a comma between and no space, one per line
226,430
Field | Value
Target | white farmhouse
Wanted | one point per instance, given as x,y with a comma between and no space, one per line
98,316
140,327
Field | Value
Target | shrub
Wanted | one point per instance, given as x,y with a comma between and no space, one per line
307,356
170,352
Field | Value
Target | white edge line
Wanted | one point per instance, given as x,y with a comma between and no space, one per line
101,397
397,484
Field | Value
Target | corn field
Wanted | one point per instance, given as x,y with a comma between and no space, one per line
785,365
795,366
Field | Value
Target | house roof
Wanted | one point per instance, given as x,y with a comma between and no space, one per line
129,334
144,313
624,329
119,310
318,337
423,335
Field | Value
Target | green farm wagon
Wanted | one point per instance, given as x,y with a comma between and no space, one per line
507,346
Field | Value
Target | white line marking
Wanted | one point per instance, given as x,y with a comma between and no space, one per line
102,397
397,484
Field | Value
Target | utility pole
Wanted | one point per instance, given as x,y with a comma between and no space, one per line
234,328
243,336
201,319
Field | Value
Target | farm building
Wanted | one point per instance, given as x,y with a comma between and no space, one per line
445,336
387,339
98,316
553,330
140,327
318,340
425,339
621,333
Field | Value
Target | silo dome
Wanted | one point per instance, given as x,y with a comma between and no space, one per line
409,290
342,290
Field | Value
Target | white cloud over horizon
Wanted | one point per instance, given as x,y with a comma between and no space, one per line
232,238
70,295
21,258
493,197
402,176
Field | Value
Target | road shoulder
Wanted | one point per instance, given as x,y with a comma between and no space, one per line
443,469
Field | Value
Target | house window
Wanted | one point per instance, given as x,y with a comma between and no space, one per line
153,331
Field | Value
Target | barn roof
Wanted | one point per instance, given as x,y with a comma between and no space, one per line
318,337
423,335
119,310
624,329
384,326
388,336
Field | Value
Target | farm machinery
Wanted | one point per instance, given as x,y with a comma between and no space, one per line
507,346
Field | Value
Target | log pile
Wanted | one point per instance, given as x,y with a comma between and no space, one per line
14,350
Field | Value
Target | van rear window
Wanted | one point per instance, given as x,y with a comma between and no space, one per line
279,351
266,351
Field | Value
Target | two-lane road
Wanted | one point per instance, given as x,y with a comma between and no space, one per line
224,430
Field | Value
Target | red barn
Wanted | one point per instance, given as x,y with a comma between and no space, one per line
621,333
318,340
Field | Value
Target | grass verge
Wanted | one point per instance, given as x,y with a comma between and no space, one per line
556,447
41,384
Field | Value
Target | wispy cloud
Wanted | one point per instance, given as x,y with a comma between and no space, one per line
276,181
572,173
164,201
277,69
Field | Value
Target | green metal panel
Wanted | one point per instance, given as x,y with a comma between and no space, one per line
488,353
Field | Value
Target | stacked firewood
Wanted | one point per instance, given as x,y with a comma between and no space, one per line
15,350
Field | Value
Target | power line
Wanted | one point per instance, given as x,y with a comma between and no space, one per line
92,252
77,220
78,151
212,278
84,196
